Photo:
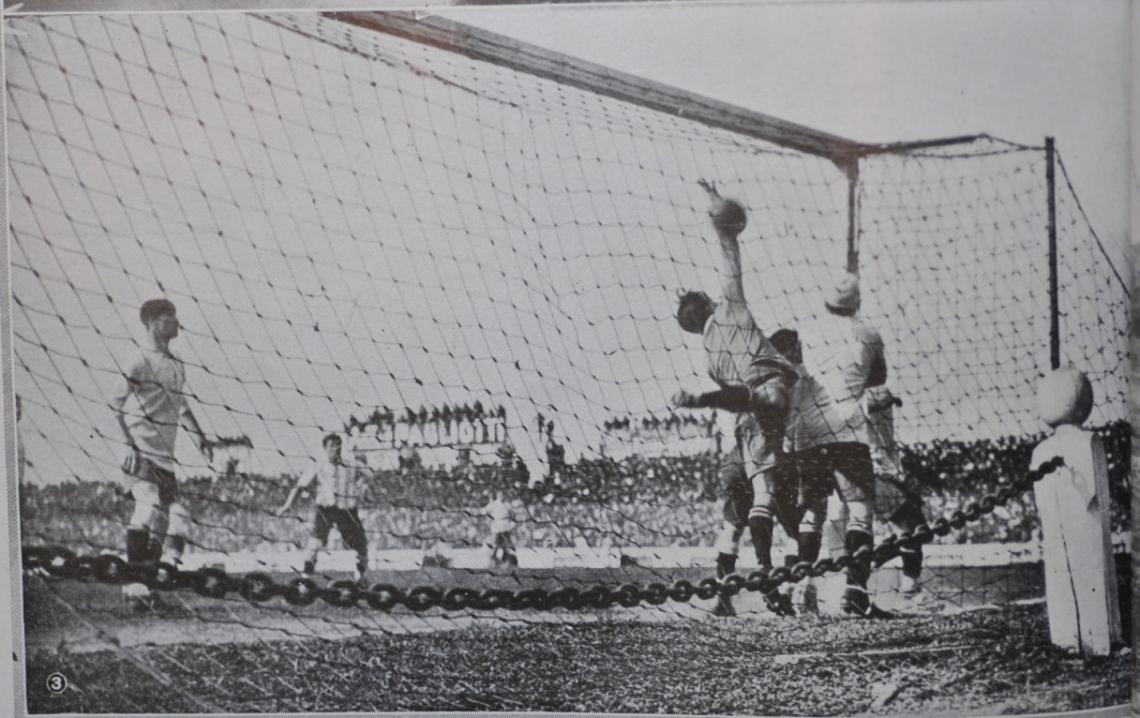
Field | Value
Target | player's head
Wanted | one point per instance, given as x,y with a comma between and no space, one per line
844,298
693,311
159,317
333,445
787,342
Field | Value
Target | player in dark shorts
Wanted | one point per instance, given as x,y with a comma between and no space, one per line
827,430
339,488
150,406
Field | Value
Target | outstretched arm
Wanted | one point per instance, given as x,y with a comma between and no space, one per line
305,480
729,219
737,399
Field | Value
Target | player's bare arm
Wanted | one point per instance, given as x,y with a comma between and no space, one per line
729,219
118,403
303,481
284,508
200,440
737,399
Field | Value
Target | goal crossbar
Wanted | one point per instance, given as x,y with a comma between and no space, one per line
478,44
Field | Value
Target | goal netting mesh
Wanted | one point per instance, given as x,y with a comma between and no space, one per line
372,236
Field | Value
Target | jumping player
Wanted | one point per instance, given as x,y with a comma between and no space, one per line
842,359
156,380
754,380
340,486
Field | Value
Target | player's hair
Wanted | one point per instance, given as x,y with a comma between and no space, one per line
843,311
787,342
154,308
693,298
331,439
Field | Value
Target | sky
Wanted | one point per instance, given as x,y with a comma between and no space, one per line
341,233
883,72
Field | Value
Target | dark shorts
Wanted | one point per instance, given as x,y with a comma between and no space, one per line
845,468
152,473
502,539
739,494
346,521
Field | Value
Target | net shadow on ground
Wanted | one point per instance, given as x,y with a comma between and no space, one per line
628,660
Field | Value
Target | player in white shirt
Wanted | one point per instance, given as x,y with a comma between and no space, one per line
827,431
340,485
754,381
155,381
500,543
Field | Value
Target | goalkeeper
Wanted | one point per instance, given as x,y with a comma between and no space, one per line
755,382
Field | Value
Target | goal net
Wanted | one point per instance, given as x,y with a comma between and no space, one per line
470,272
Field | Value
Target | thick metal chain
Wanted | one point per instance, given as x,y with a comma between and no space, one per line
258,587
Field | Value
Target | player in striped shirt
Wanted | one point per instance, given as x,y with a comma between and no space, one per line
340,485
156,381
755,382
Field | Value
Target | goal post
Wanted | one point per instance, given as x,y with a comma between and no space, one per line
382,215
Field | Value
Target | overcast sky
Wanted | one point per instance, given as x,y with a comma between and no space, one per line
883,72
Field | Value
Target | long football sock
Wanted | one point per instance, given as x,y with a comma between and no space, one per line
725,564
809,545
911,562
858,571
138,545
760,527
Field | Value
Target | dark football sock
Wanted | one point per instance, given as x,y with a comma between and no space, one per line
760,527
177,545
809,545
725,564
912,562
858,571
138,545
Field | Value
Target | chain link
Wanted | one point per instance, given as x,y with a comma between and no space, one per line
259,587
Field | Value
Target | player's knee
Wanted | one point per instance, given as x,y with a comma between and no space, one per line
728,539
812,521
859,517
146,514
763,493
179,520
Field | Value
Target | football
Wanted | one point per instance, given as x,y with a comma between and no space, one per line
728,214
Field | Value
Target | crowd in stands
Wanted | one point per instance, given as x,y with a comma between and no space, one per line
639,501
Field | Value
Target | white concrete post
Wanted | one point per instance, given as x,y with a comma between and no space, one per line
1073,506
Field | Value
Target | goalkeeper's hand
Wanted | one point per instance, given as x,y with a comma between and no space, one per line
685,400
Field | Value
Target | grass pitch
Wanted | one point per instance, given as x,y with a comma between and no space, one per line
996,661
